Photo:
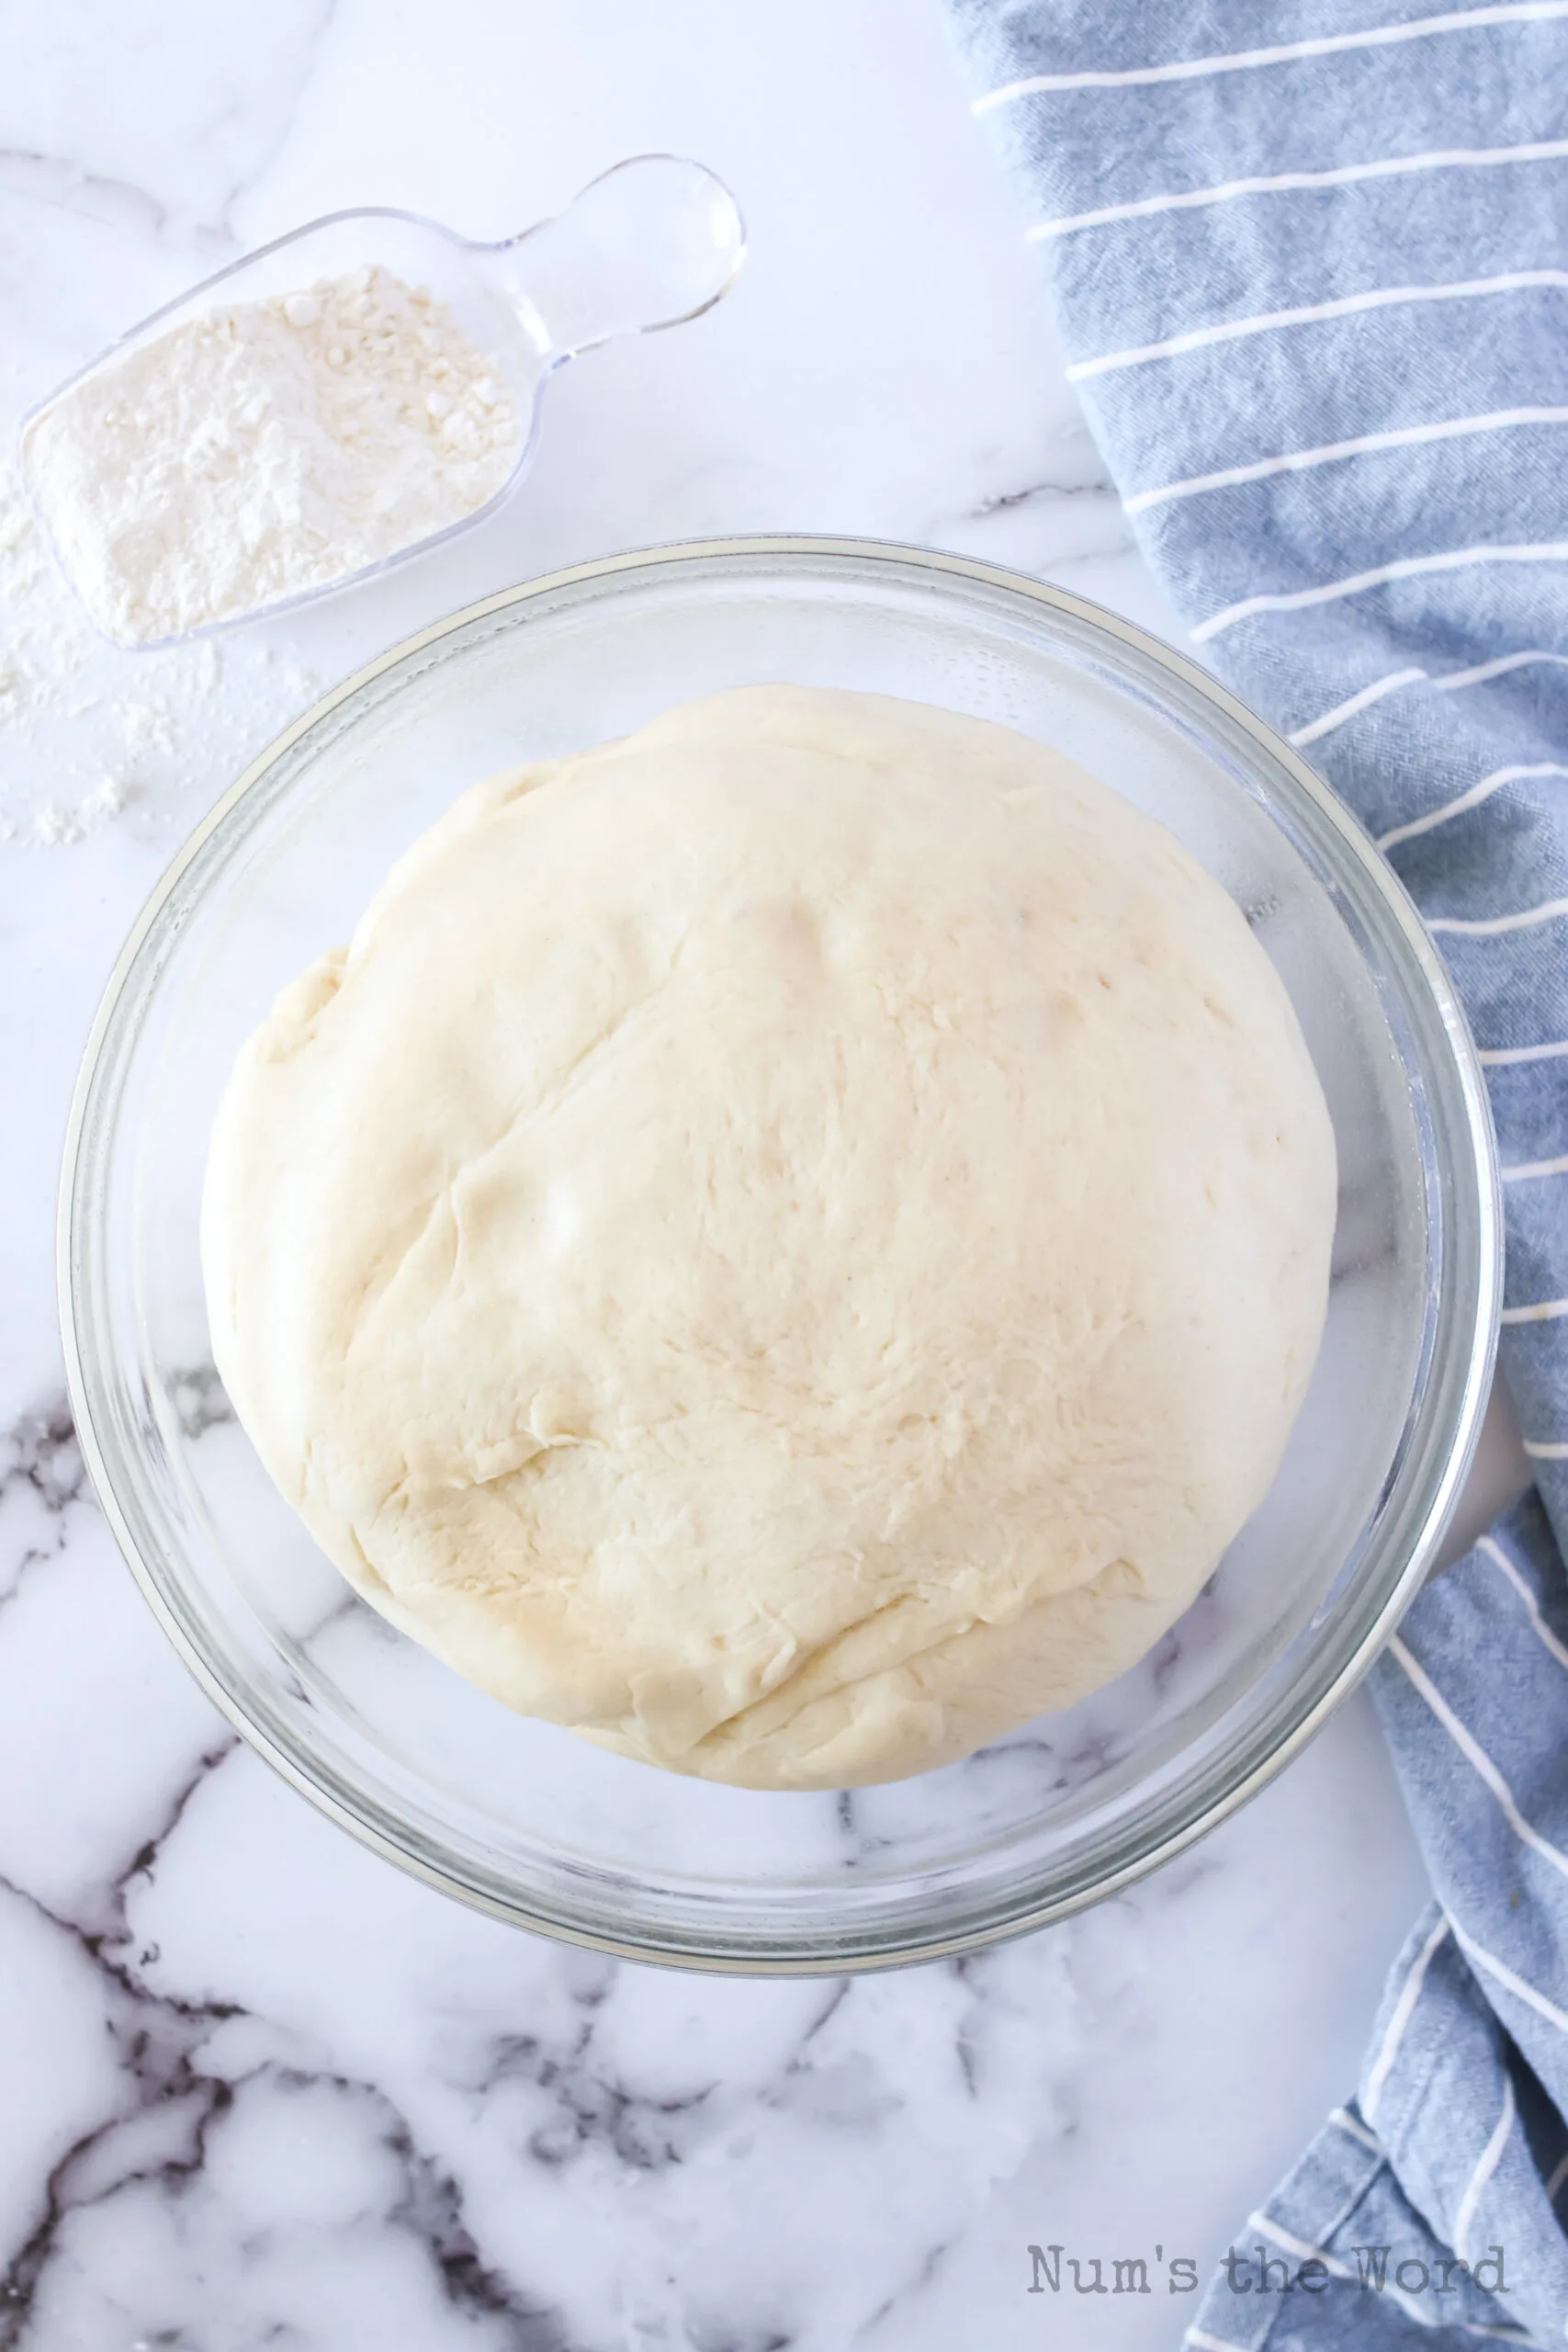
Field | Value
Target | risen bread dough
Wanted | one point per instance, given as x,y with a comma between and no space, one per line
789,1243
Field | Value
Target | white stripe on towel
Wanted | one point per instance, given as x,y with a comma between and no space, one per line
1376,298
1287,2240
1493,926
1346,2122
1192,68
1472,798
1540,1449
1403,2010
1408,567
1295,461
1491,2157
1485,669
1545,1310
1441,159
1483,672
1504,1975
1527,1171
1501,1056
1470,1747
1538,1625
1353,706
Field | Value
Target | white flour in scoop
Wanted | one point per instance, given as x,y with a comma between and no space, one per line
268,447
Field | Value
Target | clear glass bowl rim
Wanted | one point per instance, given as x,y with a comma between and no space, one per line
1452,1400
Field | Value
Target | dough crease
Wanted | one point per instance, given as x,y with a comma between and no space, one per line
788,1243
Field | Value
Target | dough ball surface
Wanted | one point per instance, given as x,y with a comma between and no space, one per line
788,1244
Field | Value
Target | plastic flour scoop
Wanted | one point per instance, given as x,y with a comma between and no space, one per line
223,515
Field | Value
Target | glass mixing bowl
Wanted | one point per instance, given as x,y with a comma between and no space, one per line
519,1817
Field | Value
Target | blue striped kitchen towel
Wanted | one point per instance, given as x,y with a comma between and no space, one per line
1311,263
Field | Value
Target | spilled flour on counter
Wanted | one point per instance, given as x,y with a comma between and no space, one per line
90,735
268,447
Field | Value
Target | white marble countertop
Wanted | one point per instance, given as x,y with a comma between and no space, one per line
255,2086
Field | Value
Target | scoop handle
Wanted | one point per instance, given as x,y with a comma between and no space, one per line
650,242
